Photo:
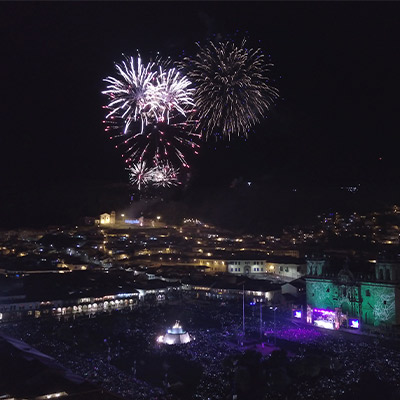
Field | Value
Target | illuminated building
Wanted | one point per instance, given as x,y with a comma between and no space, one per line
72,266
247,266
107,219
287,268
175,335
343,300
228,288
214,265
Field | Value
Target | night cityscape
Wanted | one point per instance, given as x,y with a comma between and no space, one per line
200,200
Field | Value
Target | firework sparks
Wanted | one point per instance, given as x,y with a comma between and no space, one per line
151,109
232,87
129,94
139,175
164,175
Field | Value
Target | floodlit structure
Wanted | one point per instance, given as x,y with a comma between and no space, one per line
343,300
107,219
175,335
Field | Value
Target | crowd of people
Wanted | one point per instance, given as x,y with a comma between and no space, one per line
120,353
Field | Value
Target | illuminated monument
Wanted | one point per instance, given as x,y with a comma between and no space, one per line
341,300
107,219
175,335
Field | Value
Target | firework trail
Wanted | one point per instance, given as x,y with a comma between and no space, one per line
232,89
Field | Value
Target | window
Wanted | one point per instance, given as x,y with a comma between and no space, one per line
281,268
368,293
328,290
231,269
384,301
287,269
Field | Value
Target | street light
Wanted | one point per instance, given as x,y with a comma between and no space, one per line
243,313
253,303
260,320
274,309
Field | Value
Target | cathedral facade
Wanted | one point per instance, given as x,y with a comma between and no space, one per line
347,301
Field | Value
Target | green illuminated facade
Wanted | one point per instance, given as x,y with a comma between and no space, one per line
374,302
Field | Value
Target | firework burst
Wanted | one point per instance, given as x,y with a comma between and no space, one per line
139,175
129,94
164,175
150,111
232,87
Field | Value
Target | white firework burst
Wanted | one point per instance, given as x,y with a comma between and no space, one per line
151,108
233,90
129,94
164,175
139,174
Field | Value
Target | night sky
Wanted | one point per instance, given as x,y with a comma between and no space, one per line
336,65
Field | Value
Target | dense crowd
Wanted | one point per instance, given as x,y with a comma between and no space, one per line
119,351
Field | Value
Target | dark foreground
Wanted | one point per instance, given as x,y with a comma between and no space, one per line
119,352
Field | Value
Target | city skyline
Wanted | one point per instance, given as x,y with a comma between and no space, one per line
265,267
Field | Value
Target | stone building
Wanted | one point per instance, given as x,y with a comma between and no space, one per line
345,300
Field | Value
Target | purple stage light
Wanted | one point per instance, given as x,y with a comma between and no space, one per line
324,312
